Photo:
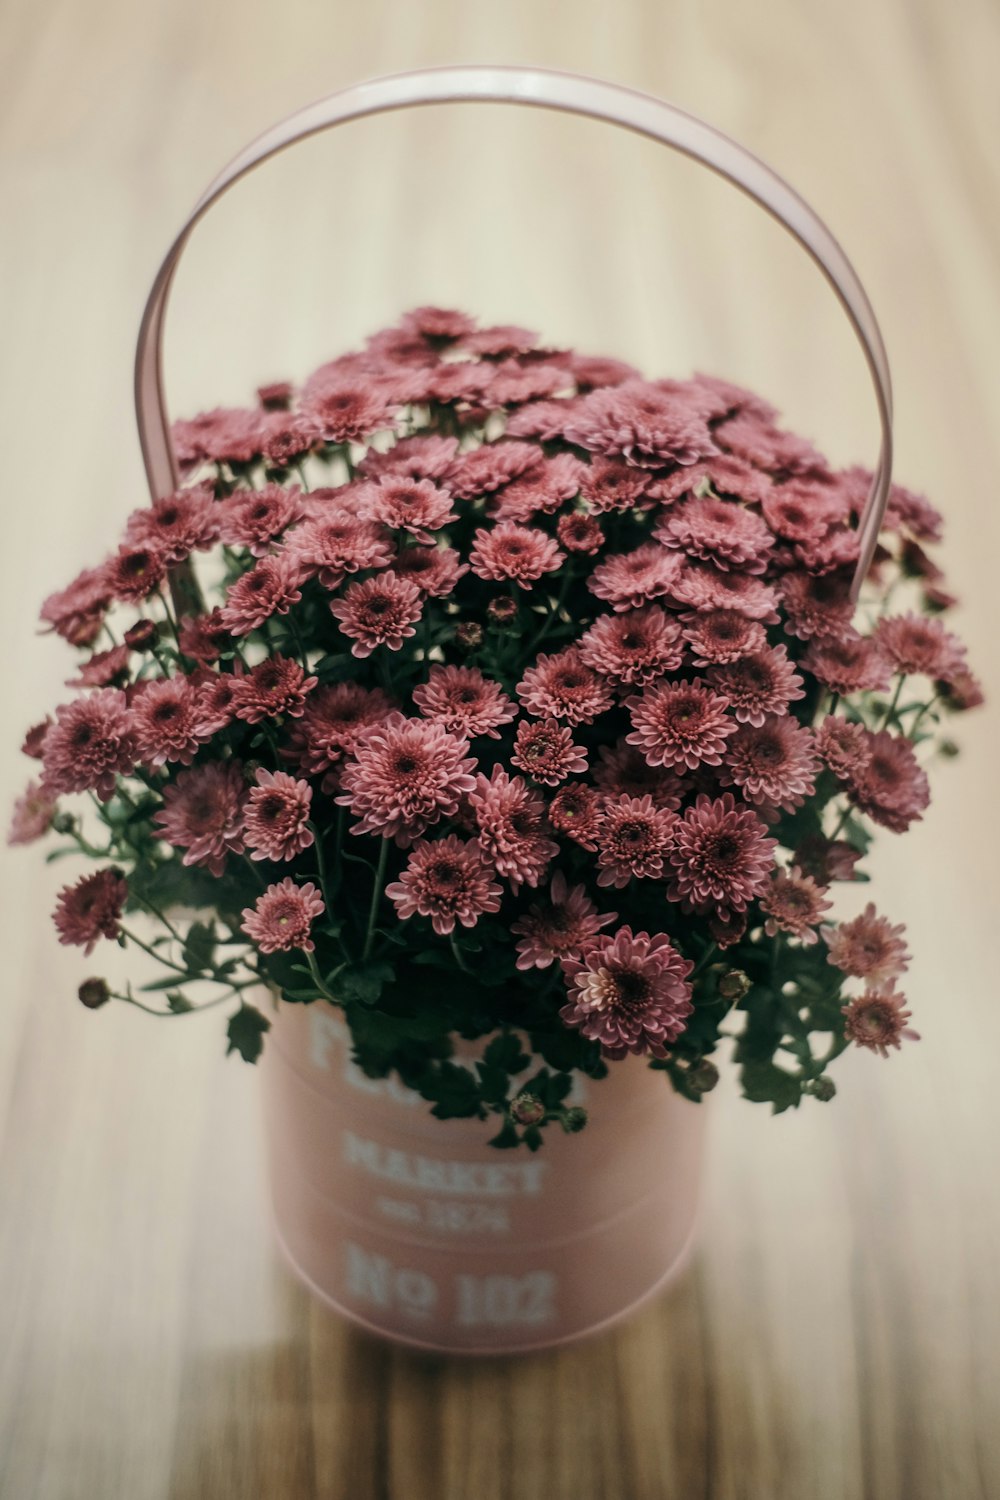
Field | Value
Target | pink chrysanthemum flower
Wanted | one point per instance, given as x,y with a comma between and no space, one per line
202,813
135,572
334,543
464,702
762,683
91,909
825,859
591,371
817,607
852,664
641,423
546,752
447,880
219,436
427,456
275,686
32,815
33,744
271,587
333,720
167,721
892,789
276,817
257,518
719,532
961,691
435,570
580,533
630,993
564,687
177,525
544,420
77,611
513,382
203,638
632,840
700,586
500,341
756,439
381,611
104,669
406,775
915,644
216,701
868,948
515,553
511,822
772,763
721,856
680,725
801,511
718,636
89,745
416,506
345,411
575,812
558,927
877,1020
288,436
623,769
283,916
634,647
842,747
541,489
482,471
794,903
630,579
608,485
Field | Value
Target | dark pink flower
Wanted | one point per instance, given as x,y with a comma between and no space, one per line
283,916
91,909
757,440
89,745
543,488
634,647
852,664
826,859
608,484
346,411
276,395
202,813
427,456
219,436
630,993
842,747
333,720
518,553
719,532
32,815
414,505
271,587
802,511
273,687
33,744
177,525
579,532
772,763
546,752
912,643
438,325
276,816
77,611
644,425
631,579
877,1020
405,776
511,822
104,669
869,947
817,607
135,572
203,638
761,683
483,470
891,789
794,903
286,437
624,769
447,880
701,586
721,856
575,812
334,543
500,341
464,702
632,839
544,420
216,701
717,636
591,371
564,687
435,570
680,725
167,721
558,927
257,518
381,611
514,381
961,691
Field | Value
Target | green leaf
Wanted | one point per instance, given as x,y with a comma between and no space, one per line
199,946
365,982
246,1033
156,985
765,1083
177,1003
493,1083
507,1137
505,1052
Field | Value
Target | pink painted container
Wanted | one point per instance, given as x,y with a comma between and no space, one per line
421,1232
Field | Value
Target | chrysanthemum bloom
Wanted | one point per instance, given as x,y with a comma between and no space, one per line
416,506
842,747
334,544
514,381
801,511
642,424
717,636
580,533
216,701
913,643
544,420
136,572
877,1020
634,647
275,686
424,457
772,763
721,856
852,664
288,436
762,683
756,439
167,721
335,717
104,669
630,993
435,570
817,607
794,904
562,686
546,752
447,880
381,611
624,770
464,702
33,744
91,909
77,611
511,822
406,775
906,510
680,725
276,816
632,839
257,518
608,485
701,586
202,813
483,470
542,489
221,436
203,638
719,532
591,371
271,587
891,789
32,815
575,812
869,947
89,745
961,691
826,859
283,916
519,554
558,927
346,413
500,341
631,579
177,525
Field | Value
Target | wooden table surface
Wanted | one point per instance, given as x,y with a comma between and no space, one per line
839,1332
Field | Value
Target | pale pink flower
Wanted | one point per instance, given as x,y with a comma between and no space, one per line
91,909
77,611
270,588
719,532
167,721
756,439
608,484
801,511
546,752
700,586
435,570
562,686
502,340
202,813
877,1020
760,683
514,381
913,643
591,371
219,436
257,518
891,788
104,669
644,425
283,916
632,839
794,903
427,456
216,701
464,702
33,744
405,776
333,544
817,607
772,763
511,822
32,815
544,420
630,993
204,637
381,611
507,551
176,525
721,856
544,487
869,947
575,812
333,720
438,325
634,647
286,437
416,506
483,470
630,579
89,745
447,880
274,687
680,725
345,411
852,664
558,927
842,747
276,816
717,636
826,859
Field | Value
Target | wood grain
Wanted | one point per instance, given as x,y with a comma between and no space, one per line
839,1333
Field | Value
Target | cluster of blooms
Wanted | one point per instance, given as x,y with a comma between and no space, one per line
522,632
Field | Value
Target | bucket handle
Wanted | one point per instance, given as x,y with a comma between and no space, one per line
546,89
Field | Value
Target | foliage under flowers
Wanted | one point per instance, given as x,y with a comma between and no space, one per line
488,689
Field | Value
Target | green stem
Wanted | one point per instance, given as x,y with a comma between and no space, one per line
167,963
552,616
458,954
890,711
318,978
926,708
376,900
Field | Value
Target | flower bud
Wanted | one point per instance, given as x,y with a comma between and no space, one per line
573,1119
469,635
502,610
94,993
527,1109
702,1076
142,635
822,1088
63,822
734,984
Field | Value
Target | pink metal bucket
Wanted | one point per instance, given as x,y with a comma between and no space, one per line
419,1231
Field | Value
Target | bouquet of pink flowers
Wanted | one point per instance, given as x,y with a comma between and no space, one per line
486,689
